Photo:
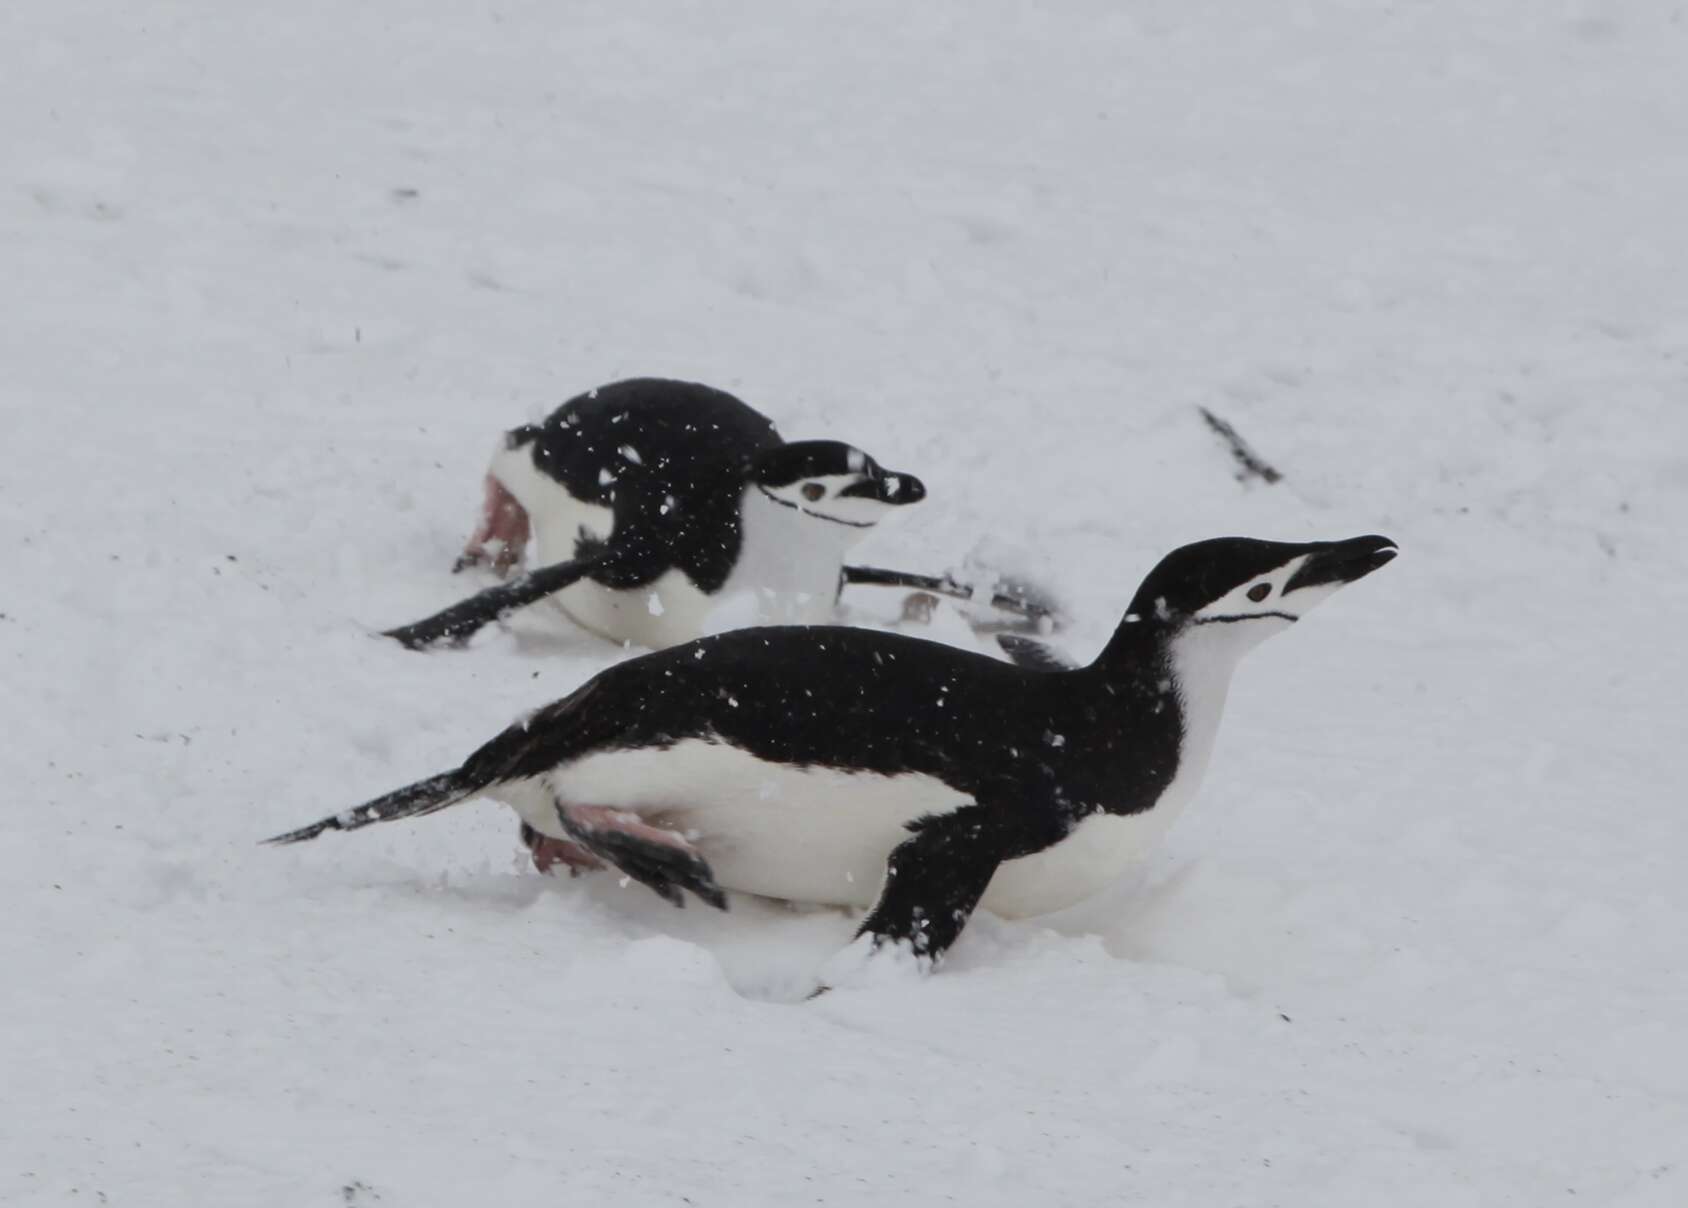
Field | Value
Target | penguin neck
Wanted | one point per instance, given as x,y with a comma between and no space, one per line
1152,657
793,562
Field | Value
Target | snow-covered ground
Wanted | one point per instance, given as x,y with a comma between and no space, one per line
273,277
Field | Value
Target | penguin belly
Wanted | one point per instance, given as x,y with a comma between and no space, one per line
815,834
664,613
1100,850
810,834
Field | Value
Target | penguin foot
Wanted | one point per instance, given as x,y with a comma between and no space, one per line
655,857
1020,605
501,537
547,853
919,608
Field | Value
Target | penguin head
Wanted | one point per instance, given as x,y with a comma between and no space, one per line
833,481
1248,590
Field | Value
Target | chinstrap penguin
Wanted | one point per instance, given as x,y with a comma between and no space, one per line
860,768
650,502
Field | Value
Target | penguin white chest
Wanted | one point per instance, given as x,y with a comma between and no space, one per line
790,562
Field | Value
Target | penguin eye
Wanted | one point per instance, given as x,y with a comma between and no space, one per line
1259,592
813,491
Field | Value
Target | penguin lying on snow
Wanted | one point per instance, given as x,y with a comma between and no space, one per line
853,767
651,500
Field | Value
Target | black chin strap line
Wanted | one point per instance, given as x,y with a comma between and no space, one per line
1232,618
786,503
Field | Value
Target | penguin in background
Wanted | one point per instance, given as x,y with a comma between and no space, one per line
649,502
859,768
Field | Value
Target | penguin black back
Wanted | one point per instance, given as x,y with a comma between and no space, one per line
668,459
631,443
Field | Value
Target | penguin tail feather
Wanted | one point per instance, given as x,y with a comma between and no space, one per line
519,751
515,438
412,801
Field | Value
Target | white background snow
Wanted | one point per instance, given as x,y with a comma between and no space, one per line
272,279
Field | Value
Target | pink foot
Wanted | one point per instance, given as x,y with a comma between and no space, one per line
598,820
502,534
651,855
547,853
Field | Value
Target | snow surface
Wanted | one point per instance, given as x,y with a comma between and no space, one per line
275,276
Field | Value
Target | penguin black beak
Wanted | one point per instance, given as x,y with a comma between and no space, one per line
1343,562
888,487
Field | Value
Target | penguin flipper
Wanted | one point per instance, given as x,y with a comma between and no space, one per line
1034,607
458,623
935,878
1033,654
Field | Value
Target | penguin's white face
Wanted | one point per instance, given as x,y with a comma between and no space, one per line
833,482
